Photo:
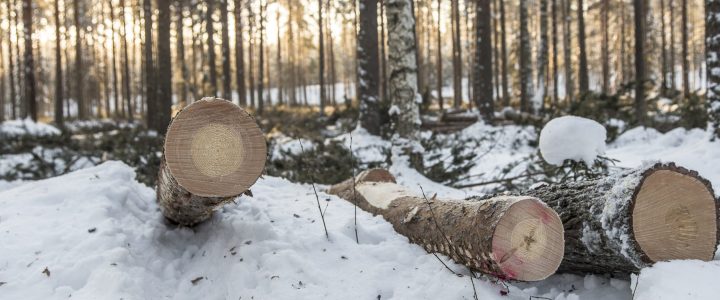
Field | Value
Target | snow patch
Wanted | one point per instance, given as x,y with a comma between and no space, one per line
572,138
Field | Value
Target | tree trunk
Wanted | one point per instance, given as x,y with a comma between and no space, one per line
239,56
583,68
503,53
79,97
712,60
507,237
280,77
126,68
11,66
457,54
402,86
671,7
685,60
321,59
526,88
2,76
367,53
59,115
179,4
483,89
31,101
214,151
116,93
439,59
251,57
211,46
625,222
261,61
542,55
555,52
383,56
164,66
569,87
225,60
150,85
640,110
605,12
663,47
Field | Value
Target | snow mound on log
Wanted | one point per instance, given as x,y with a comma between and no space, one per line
572,138
680,279
20,127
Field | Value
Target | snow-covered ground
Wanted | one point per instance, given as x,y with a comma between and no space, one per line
96,233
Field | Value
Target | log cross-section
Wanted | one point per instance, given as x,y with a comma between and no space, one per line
627,221
213,152
509,237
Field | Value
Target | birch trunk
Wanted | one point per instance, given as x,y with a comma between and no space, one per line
402,83
712,50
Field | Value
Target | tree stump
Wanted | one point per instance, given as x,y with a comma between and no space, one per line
214,151
628,221
507,237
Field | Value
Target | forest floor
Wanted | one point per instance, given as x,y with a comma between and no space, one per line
97,233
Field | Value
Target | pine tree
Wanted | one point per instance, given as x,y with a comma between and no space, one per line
640,110
164,99
30,96
239,56
150,85
583,83
367,54
526,89
59,120
483,88
225,60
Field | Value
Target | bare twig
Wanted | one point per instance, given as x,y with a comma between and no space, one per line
352,162
317,198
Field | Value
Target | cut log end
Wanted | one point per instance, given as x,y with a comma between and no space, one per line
214,148
675,216
528,242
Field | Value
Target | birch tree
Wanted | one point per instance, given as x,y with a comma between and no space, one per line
712,52
402,85
368,67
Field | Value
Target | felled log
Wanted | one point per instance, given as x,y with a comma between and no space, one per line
214,151
508,237
628,221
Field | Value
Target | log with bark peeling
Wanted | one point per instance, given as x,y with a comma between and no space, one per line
628,221
214,151
510,237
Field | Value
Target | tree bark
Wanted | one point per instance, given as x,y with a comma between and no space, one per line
542,55
483,90
164,99
712,60
456,54
663,47
261,61
555,52
179,6
583,68
210,6
503,54
150,85
526,88
439,75
214,151
368,67
321,59
567,47
402,86
126,62
225,60
507,237
640,110
279,62
59,115
685,59
30,99
628,221
11,65
605,12
82,112
239,56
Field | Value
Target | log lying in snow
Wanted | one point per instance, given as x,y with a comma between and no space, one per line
507,237
625,222
214,151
